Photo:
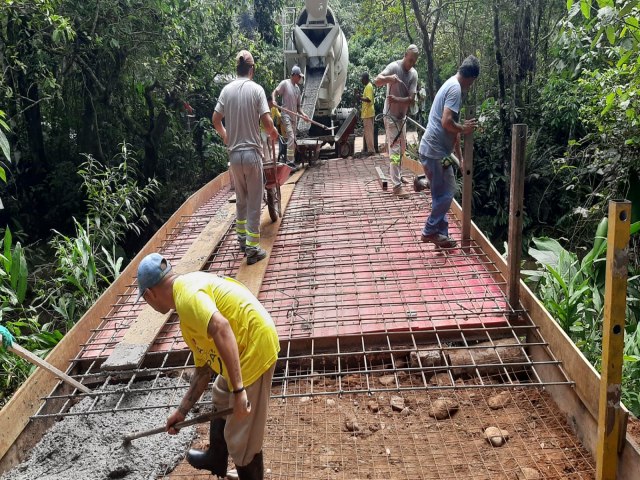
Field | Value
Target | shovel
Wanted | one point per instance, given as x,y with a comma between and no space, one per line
205,417
34,359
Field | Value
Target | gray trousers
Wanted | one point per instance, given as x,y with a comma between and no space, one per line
290,126
246,168
395,148
244,437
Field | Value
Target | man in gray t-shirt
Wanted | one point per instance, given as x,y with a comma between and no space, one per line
243,104
289,91
440,140
401,80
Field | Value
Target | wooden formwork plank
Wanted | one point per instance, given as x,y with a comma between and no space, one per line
14,416
610,414
252,276
131,350
516,213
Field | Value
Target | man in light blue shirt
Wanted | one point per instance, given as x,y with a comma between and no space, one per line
440,140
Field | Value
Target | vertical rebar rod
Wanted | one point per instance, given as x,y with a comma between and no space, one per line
518,147
610,413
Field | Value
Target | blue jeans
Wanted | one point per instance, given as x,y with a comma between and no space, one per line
443,189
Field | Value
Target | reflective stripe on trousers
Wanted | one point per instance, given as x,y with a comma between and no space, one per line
246,168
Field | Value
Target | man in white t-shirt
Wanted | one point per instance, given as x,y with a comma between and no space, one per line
401,80
290,93
243,105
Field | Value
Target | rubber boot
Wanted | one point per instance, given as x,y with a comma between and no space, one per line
254,470
255,254
215,458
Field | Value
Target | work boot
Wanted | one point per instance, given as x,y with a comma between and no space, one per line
439,240
292,166
216,457
242,243
254,470
420,183
400,192
255,254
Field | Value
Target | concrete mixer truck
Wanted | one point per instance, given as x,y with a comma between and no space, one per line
316,43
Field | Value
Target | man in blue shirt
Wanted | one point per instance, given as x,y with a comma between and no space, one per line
440,140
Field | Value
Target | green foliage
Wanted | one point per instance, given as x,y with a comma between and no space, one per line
572,290
39,312
87,262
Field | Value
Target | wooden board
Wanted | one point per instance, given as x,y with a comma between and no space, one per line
253,275
130,351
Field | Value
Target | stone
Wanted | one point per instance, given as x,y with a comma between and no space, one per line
425,358
499,401
397,403
373,406
495,436
351,424
443,407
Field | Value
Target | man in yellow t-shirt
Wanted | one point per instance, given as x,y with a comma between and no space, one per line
230,333
367,114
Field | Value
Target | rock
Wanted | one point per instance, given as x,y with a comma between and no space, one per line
373,406
440,379
443,408
305,399
527,473
397,403
499,401
425,358
387,380
405,412
374,427
495,436
351,424
331,402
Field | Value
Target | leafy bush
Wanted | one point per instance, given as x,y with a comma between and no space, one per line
572,290
85,264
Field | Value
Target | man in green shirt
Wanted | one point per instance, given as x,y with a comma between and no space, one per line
367,113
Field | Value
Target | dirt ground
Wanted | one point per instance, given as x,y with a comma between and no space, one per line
383,437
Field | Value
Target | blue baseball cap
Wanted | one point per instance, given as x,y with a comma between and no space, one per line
296,71
151,270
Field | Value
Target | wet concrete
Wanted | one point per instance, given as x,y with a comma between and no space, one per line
90,446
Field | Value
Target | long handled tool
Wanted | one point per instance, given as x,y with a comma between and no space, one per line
34,359
205,417
290,112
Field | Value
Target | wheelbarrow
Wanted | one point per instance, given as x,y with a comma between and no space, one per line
275,174
309,149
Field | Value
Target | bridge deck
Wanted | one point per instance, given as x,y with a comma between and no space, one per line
367,312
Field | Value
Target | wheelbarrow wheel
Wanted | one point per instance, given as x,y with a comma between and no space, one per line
273,204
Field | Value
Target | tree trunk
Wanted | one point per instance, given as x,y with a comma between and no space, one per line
89,133
29,103
502,89
523,53
428,38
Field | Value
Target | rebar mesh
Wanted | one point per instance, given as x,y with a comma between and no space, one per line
366,312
